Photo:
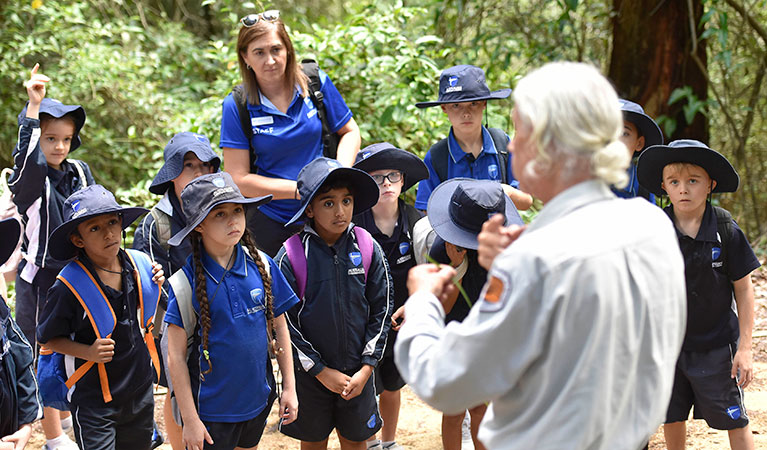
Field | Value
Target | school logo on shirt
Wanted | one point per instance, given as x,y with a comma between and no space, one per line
404,247
453,85
257,302
492,170
311,113
716,252
355,258
492,295
734,412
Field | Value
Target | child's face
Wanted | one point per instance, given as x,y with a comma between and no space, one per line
267,56
193,168
223,227
388,191
332,213
687,186
99,236
55,140
465,117
631,138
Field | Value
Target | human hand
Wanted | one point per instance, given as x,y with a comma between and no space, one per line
101,351
36,86
17,440
432,278
743,367
288,406
334,380
194,435
158,275
396,323
494,238
357,382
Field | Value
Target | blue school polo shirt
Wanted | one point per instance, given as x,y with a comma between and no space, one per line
462,164
237,388
284,142
632,188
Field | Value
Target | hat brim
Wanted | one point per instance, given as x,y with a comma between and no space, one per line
412,166
10,230
365,195
171,170
439,216
494,95
646,127
652,161
177,238
61,247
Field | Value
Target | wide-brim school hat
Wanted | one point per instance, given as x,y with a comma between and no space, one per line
10,230
323,170
647,127
82,205
386,156
178,146
464,83
458,207
204,193
652,161
57,110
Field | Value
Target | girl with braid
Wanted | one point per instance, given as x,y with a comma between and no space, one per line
223,380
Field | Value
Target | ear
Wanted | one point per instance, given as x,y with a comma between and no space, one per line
309,211
76,240
444,108
713,185
198,228
640,144
455,254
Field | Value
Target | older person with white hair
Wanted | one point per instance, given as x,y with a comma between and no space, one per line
581,320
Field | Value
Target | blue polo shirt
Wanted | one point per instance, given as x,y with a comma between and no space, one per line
462,164
284,142
237,388
632,188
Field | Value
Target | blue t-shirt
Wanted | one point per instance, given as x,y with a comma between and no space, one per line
462,164
632,188
237,388
284,142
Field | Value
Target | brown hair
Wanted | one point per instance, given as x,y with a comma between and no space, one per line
293,72
266,280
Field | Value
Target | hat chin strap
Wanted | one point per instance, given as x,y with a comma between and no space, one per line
460,271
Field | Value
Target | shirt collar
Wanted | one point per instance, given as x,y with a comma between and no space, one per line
216,272
570,199
265,102
708,229
456,152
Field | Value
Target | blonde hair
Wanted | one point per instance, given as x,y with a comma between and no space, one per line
575,119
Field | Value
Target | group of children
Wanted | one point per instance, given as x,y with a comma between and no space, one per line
227,309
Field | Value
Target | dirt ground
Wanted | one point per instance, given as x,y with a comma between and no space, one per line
419,424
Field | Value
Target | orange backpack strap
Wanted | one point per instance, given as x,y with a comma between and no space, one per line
149,297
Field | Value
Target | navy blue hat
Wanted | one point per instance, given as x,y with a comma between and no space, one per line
386,156
633,112
464,83
204,193
652,161
57,110
322,170
82,205
458,207
178,146
10,230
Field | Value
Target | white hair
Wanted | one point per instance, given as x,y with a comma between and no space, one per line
575,120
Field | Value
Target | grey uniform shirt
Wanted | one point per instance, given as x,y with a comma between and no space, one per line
577,334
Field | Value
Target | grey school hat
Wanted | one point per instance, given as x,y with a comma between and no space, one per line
386,156
464,83
206,192
178,146
634,113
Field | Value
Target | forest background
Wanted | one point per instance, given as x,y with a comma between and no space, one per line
145,70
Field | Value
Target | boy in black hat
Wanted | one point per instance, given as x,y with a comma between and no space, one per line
43,177
20,402
470,150
391,223
639,133
718,265
340,326
103,289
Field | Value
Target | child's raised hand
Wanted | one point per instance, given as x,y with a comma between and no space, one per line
357,382
101,351
288,406
158,275
334,380
36,86
195,435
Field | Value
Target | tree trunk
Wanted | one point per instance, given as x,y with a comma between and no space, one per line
651,57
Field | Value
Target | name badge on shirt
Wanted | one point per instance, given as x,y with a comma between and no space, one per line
262,120
311,113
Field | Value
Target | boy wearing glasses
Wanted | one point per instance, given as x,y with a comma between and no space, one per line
391,223
470,150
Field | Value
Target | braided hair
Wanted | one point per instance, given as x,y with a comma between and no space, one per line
266,279
201,291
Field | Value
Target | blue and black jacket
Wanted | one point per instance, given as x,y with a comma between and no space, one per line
343,320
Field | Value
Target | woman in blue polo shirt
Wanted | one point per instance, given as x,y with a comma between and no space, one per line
287,132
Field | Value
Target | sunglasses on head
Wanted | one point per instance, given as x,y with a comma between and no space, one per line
252,19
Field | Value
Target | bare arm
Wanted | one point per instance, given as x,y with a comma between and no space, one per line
522,200
101,351
237,163
289,399
742,363
349,144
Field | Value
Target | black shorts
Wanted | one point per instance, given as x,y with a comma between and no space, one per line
387,376
702,380
268,233
239,434
320,410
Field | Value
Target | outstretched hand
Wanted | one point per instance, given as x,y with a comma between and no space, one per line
436,279
36,86
494,238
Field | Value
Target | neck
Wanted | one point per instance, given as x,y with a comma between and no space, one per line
329,238
274,91
222,255
689,221
470,142
105,262
389,210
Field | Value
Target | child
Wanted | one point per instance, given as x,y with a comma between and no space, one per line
470,150
20,403
187,156
639,133
457,209
391,223
718,265
223,380
340,327
43,178
103,289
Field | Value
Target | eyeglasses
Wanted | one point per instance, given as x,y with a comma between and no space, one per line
393,177
252,19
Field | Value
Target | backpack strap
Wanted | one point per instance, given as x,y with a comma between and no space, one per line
295,252
241,100
149,297
329,139
162,223
439,154
80,172
724,230
413,216
501,141
365,242
182,289
99,311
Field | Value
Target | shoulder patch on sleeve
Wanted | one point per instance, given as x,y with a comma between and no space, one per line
492,295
